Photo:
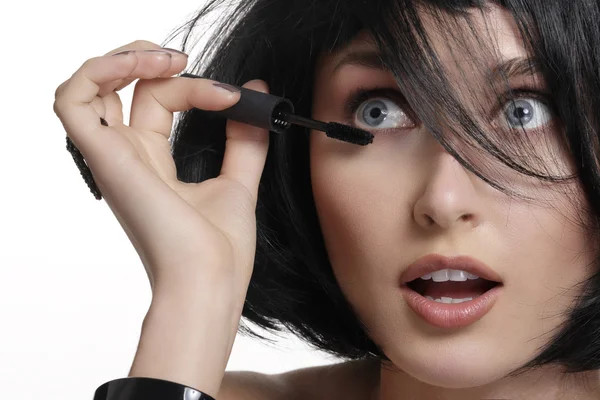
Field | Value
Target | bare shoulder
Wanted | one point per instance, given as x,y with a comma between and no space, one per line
249,385
347,380
351,380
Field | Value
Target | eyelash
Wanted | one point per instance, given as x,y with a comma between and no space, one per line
362,94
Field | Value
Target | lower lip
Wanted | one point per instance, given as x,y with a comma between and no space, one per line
449,316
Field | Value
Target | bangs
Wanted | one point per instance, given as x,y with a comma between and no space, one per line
448,61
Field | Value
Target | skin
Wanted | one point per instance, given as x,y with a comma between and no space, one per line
383,206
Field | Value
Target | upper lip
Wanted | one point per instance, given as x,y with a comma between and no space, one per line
435,262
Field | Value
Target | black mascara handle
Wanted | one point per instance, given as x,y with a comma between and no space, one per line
255,108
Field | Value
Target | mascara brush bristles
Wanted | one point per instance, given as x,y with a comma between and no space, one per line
349,134
333,130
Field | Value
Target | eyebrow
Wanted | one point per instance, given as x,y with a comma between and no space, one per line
372,59
514,68
365,58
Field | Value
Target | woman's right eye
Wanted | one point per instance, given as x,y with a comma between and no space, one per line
381,113
527,113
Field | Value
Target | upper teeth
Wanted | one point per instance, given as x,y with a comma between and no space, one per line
445,275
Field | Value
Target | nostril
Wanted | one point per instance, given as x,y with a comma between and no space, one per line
467,217
428,220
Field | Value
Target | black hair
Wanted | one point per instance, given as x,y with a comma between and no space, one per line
280,41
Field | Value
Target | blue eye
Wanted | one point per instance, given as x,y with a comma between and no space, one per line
381,113
527,113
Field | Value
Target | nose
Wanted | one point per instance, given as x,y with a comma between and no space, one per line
447,199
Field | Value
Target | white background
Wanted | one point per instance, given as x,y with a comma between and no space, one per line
73,292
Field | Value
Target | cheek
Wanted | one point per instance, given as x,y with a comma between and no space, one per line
545,255
361,216
550,244
553,223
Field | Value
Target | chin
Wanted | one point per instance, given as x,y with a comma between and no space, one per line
455,367
448,377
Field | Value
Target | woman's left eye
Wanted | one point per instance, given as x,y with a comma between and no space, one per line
381,113
527,113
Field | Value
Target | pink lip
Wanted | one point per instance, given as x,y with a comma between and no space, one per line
449,315
435,262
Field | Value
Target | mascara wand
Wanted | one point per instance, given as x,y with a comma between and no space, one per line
276,114
332,129
254,108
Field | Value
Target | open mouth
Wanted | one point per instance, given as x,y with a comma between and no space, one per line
456,291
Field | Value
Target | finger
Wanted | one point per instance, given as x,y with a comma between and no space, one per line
73,104
151,64
246,149
99,106
114,108
155,101
147,68
87,81
178,62
135,45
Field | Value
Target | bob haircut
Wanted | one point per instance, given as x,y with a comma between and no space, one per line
280,41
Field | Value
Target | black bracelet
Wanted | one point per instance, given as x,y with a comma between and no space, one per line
147,389
85,171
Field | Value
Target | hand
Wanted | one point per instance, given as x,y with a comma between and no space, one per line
189,236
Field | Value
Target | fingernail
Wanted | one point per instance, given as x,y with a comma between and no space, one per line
229,88
159,51
123,52
175,51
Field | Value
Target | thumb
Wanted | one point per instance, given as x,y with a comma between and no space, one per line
246,149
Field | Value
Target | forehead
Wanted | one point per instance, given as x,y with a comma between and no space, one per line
489,35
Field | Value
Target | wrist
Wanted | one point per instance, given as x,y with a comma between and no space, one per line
187,338
216,309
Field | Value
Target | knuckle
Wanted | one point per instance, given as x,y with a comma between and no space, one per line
89,62
88,65
59,90
143,44
142,85
57,107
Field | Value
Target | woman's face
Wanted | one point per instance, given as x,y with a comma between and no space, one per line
385,205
